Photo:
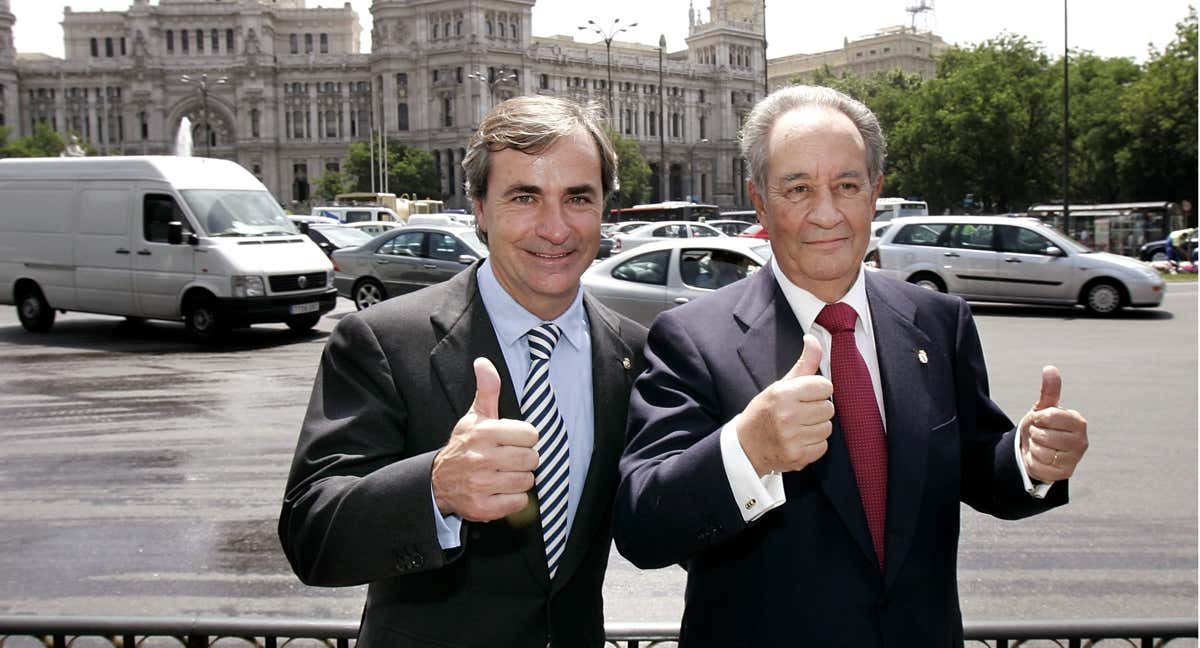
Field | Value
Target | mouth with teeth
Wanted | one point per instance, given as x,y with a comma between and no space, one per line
549,256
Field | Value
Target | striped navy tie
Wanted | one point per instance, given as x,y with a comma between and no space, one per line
539,408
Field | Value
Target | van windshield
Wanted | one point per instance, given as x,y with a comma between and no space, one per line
222,212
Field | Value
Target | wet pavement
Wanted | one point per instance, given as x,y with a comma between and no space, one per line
141,474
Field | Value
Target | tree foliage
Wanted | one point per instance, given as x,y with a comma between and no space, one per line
986,133
633,171
44,142
410,170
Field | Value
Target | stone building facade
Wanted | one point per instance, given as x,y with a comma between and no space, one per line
895,48
282,89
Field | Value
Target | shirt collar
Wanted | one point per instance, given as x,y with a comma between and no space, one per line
512,321
807,306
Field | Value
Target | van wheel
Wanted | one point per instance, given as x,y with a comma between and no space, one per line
303,322
367,293
203,320
34,311
928,281
1102,298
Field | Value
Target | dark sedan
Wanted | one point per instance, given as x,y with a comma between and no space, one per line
331,238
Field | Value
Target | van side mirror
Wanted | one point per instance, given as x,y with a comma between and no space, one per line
1055,251
175,233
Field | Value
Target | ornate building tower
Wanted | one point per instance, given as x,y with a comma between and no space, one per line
9,107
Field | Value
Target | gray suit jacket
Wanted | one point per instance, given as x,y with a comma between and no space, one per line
393,381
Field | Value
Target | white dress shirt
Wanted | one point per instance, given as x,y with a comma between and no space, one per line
757,495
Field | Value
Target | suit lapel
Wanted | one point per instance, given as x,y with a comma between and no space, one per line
906,401
773,343
610,385
467,333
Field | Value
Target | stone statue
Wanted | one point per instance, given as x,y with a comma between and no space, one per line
73,149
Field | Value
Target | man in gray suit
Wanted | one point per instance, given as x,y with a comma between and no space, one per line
459,451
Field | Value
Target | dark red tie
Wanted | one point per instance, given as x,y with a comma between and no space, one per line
858,412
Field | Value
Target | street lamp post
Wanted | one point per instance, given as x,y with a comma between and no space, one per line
692,169
608,35
502,76
664,182
201,82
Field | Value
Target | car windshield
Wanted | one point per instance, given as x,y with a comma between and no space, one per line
1070,244
345,236
222,212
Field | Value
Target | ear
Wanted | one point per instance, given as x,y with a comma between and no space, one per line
878,188
480,216
760,207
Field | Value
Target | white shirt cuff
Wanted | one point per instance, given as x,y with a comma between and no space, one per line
755,495
448,526
1036,490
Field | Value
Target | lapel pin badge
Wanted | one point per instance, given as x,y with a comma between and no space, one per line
625,362
922,357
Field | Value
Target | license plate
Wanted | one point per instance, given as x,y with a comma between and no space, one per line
297,309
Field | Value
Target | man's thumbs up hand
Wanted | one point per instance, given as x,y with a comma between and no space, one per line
487,390
786,426
1053,439
486,468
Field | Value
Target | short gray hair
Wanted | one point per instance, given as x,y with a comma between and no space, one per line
756,133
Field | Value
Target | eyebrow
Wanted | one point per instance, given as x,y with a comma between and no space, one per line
800,175
573,190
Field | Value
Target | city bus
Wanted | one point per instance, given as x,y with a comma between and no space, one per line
1120,228
888,208
664,211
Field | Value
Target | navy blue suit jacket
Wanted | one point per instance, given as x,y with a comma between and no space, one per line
805,573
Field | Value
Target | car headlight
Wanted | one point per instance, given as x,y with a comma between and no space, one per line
248,286
328,278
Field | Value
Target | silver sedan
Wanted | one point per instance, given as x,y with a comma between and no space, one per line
403,260
642,282
662,230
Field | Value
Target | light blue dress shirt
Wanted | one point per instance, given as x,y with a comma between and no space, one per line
570,376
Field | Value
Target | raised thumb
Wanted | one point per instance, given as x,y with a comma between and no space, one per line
1051,388
810,359
487,389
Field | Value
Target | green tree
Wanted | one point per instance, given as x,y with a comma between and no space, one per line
44,142
981,127
1159,117
333,183
410,170
1097,137
632,170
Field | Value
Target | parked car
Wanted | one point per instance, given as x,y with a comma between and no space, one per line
993,258
373,227
624,227
755,231
729,227
404,260
606,246
665,229
877,230
642,282
331,237
1157,250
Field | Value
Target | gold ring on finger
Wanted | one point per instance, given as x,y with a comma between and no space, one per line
1054,461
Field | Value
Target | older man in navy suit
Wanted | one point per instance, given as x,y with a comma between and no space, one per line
802,439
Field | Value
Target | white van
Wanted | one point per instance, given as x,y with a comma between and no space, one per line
889,208
171,238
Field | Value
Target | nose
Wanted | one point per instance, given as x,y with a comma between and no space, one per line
824,212
552,223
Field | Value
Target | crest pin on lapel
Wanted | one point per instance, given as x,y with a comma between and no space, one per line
625,362
924,359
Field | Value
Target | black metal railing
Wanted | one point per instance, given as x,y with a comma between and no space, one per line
138,632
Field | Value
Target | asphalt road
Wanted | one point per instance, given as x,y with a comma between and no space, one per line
141,474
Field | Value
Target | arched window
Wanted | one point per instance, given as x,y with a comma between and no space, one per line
489,28
501,30
435,32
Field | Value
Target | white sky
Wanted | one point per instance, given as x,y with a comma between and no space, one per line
1106,27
